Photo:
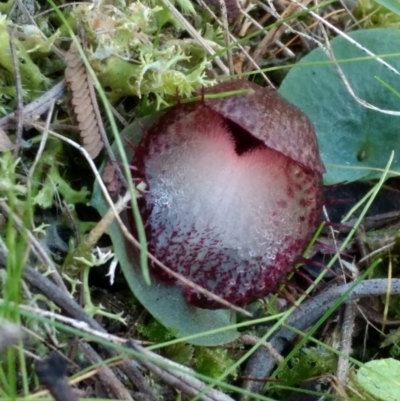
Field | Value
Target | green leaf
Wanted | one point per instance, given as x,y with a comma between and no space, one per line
349,134
165,302
392,5
381,379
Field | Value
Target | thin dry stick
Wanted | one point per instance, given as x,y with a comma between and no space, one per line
348,38
42,145
270,10
347,331
133,240
306,36
35,108
107,377
241,48
19,114
246,23
346,334
338,388
179,379
276,32
73,322
387,295
248,339
333,234
40,152
224,16
356,23
86,376
377,252
93,237
329,52
291,29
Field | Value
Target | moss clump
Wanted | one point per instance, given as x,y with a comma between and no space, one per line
136,50
373,15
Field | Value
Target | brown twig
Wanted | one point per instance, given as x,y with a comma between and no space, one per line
275,33
248,339
224,16
345,347
239,46
36,108
108,379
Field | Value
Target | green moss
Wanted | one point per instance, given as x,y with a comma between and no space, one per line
180,353
212,362
33,81
372,15
309,362
154,331
52,183
131,56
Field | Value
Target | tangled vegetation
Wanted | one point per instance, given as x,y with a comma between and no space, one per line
80,85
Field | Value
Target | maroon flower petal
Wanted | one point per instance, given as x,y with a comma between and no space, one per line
227,208
270,118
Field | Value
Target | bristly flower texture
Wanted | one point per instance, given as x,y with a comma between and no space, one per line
234,187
